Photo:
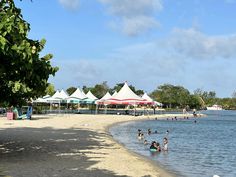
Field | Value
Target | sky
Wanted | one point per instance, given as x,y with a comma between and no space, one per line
148,43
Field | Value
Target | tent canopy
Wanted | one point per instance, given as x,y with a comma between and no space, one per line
63,95
126,93
77,96
56,95
146,97
149,99
40,100
59,96
114,93
106,96
126,97
91,96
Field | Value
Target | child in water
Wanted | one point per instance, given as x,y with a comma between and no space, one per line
158,147
140,136
145,142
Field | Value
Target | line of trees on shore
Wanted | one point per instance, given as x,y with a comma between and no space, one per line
171,96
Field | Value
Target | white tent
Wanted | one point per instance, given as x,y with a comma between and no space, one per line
46,96
63,95
83,92
55,98
146,97
56,95
91,96
125,96
149,99
126,93
77,96
40,100
114,93
106,96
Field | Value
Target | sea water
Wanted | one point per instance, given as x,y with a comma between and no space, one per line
200,148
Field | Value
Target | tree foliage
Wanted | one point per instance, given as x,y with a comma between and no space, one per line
23,73
50,90
234,94
209,98
175,96
117,87
71,90
99,90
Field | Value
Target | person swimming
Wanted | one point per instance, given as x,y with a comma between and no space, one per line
155,147
145,142
167,132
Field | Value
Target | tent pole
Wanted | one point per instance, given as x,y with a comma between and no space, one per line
105,109
96,112
59,107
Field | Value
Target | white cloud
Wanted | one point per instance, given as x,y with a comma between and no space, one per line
194,44
136,17
171,60
138,24
132,8
70,4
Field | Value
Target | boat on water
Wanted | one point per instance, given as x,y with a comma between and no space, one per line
215,107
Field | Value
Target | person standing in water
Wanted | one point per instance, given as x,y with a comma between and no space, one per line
149,131
165,144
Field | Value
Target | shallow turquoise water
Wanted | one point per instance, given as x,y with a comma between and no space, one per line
203,149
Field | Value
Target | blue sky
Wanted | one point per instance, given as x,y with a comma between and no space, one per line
145,42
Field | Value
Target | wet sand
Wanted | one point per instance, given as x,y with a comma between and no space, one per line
70,145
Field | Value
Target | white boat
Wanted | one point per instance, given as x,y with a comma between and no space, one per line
215,107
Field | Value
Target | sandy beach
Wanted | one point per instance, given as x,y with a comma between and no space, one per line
70,145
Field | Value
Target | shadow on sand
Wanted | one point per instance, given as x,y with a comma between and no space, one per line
47,152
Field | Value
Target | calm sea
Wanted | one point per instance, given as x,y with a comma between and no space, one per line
201,149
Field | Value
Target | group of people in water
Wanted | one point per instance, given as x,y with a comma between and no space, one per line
175,118
154,145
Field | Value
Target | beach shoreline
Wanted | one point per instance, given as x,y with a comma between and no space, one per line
77,143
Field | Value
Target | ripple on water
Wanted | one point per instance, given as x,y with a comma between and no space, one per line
197,149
